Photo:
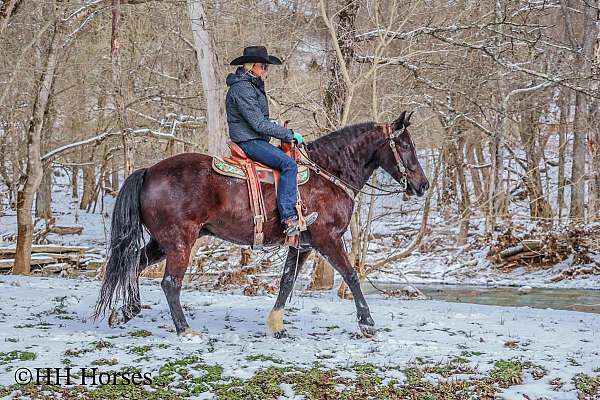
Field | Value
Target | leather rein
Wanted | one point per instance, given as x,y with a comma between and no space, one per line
348,187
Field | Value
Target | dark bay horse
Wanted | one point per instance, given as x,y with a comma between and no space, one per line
181,198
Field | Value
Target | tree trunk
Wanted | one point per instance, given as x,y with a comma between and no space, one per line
562,150
475,174
75,182
31,181
577,212
582,64
495,181
449,185
119,96
594,140
595,178
7,9
465,198
322,276
539,209
43,198
337,89
89,181
213,88
114,175
337,103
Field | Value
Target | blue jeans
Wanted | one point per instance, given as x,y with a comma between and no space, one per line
266,153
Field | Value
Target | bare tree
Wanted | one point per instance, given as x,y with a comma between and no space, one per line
30,182
119,96
208,65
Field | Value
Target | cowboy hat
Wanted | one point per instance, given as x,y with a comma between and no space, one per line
256,54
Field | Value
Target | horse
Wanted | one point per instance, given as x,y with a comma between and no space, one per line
181,198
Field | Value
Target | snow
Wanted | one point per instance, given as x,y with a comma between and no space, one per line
49,316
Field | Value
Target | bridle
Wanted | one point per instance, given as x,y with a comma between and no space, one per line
390,134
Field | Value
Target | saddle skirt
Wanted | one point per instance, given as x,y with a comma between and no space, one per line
241,167
233,167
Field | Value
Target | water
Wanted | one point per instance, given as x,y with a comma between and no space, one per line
585,300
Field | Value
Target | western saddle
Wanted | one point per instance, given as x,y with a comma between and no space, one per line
240,166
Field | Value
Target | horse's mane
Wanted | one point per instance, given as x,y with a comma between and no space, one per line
344,134
346,151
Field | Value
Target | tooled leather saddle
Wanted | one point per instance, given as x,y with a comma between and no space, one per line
240,166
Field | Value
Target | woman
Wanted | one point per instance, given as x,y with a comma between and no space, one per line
250,128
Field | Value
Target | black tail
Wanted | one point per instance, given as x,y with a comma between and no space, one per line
126,241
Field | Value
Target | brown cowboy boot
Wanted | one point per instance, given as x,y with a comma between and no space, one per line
292,224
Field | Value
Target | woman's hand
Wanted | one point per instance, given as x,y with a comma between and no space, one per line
298,138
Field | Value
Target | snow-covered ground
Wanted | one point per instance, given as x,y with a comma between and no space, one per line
50,317
44,322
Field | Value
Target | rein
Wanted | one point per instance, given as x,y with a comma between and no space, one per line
349,188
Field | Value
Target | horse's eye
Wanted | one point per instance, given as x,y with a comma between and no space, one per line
405,146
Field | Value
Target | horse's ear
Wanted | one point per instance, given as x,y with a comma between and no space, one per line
399,122
407,119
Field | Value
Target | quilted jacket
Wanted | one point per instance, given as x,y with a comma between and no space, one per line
248,110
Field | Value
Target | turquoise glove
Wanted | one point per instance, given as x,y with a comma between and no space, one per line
298,138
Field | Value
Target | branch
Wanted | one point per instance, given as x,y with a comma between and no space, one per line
50,156
336,44
515,67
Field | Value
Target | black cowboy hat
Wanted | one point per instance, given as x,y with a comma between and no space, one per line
256,54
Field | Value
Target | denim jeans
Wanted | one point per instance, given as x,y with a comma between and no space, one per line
266,153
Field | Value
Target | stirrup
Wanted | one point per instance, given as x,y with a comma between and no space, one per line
293,227
311,218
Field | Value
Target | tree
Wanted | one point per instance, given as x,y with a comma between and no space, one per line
208,65
30,182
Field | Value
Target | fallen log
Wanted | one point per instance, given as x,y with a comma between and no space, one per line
524,246
39,248
7,264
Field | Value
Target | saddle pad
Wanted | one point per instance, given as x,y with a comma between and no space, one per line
226,168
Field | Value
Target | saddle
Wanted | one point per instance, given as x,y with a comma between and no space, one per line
240,166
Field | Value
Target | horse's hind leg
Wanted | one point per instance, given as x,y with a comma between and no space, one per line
333,251
290,273
177,263
149,255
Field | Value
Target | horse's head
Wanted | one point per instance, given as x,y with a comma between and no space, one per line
416,181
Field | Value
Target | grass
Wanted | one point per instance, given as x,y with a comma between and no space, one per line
140,350
191,376
261,357
141,333
507,372
15,355
587,385
105,361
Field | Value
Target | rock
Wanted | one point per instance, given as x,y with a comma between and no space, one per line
411,290
524,289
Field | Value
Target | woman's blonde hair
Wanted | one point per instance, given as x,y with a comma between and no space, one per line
248,66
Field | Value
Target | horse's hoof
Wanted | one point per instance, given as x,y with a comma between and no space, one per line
281,334
368,331
189,332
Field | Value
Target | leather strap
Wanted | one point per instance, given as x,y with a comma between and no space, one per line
389,132
256,203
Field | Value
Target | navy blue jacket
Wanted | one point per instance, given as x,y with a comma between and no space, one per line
248,110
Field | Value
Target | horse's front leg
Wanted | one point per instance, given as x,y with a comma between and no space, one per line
333,251
294,261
